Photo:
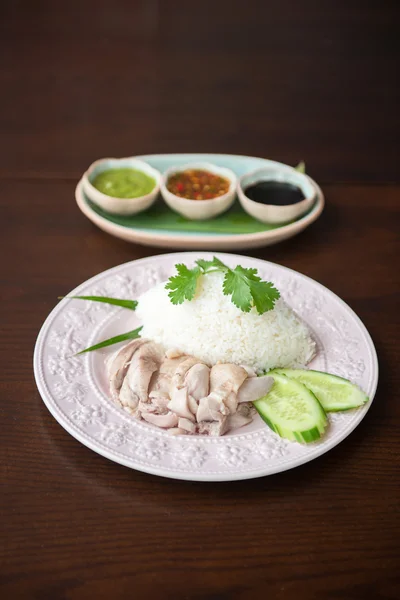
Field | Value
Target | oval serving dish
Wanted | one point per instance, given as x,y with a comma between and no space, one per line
200,210
159,226
113,204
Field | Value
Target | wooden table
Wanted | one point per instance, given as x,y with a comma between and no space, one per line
286,80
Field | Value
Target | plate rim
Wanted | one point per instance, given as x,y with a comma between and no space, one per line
147,236
113,455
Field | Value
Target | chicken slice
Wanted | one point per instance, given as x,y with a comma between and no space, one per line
148,407
160,382
179,404
169,365
177,431
227,376
211,409
213,428
240,418
128,398
249,370
146,360
197,381
254,388
118,363
164,421
186,425
174,353
160,401
193,404
225,380
178,378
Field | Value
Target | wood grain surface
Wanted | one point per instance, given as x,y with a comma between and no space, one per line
285,80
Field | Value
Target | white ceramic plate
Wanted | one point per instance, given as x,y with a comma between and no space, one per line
75,391
178,237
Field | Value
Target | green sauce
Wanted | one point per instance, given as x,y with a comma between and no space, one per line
124,183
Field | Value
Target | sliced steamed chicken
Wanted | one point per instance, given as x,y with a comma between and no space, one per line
254,388
180,392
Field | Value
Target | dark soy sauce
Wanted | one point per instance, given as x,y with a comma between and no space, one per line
278,193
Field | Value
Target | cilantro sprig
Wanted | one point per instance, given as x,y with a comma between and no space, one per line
244,286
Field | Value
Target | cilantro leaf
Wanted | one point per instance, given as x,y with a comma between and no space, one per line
215,263
247,273
183,285
248,290
264,295
236,286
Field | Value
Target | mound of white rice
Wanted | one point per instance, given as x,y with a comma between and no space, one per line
211,328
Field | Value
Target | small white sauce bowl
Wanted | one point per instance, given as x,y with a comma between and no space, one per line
271,213
200,210
120,206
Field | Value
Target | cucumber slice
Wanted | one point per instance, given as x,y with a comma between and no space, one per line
333,392
292,411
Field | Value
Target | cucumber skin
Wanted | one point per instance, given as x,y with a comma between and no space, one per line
282,372
307,436
311,435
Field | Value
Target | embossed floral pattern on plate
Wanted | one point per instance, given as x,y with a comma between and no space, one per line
74,389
